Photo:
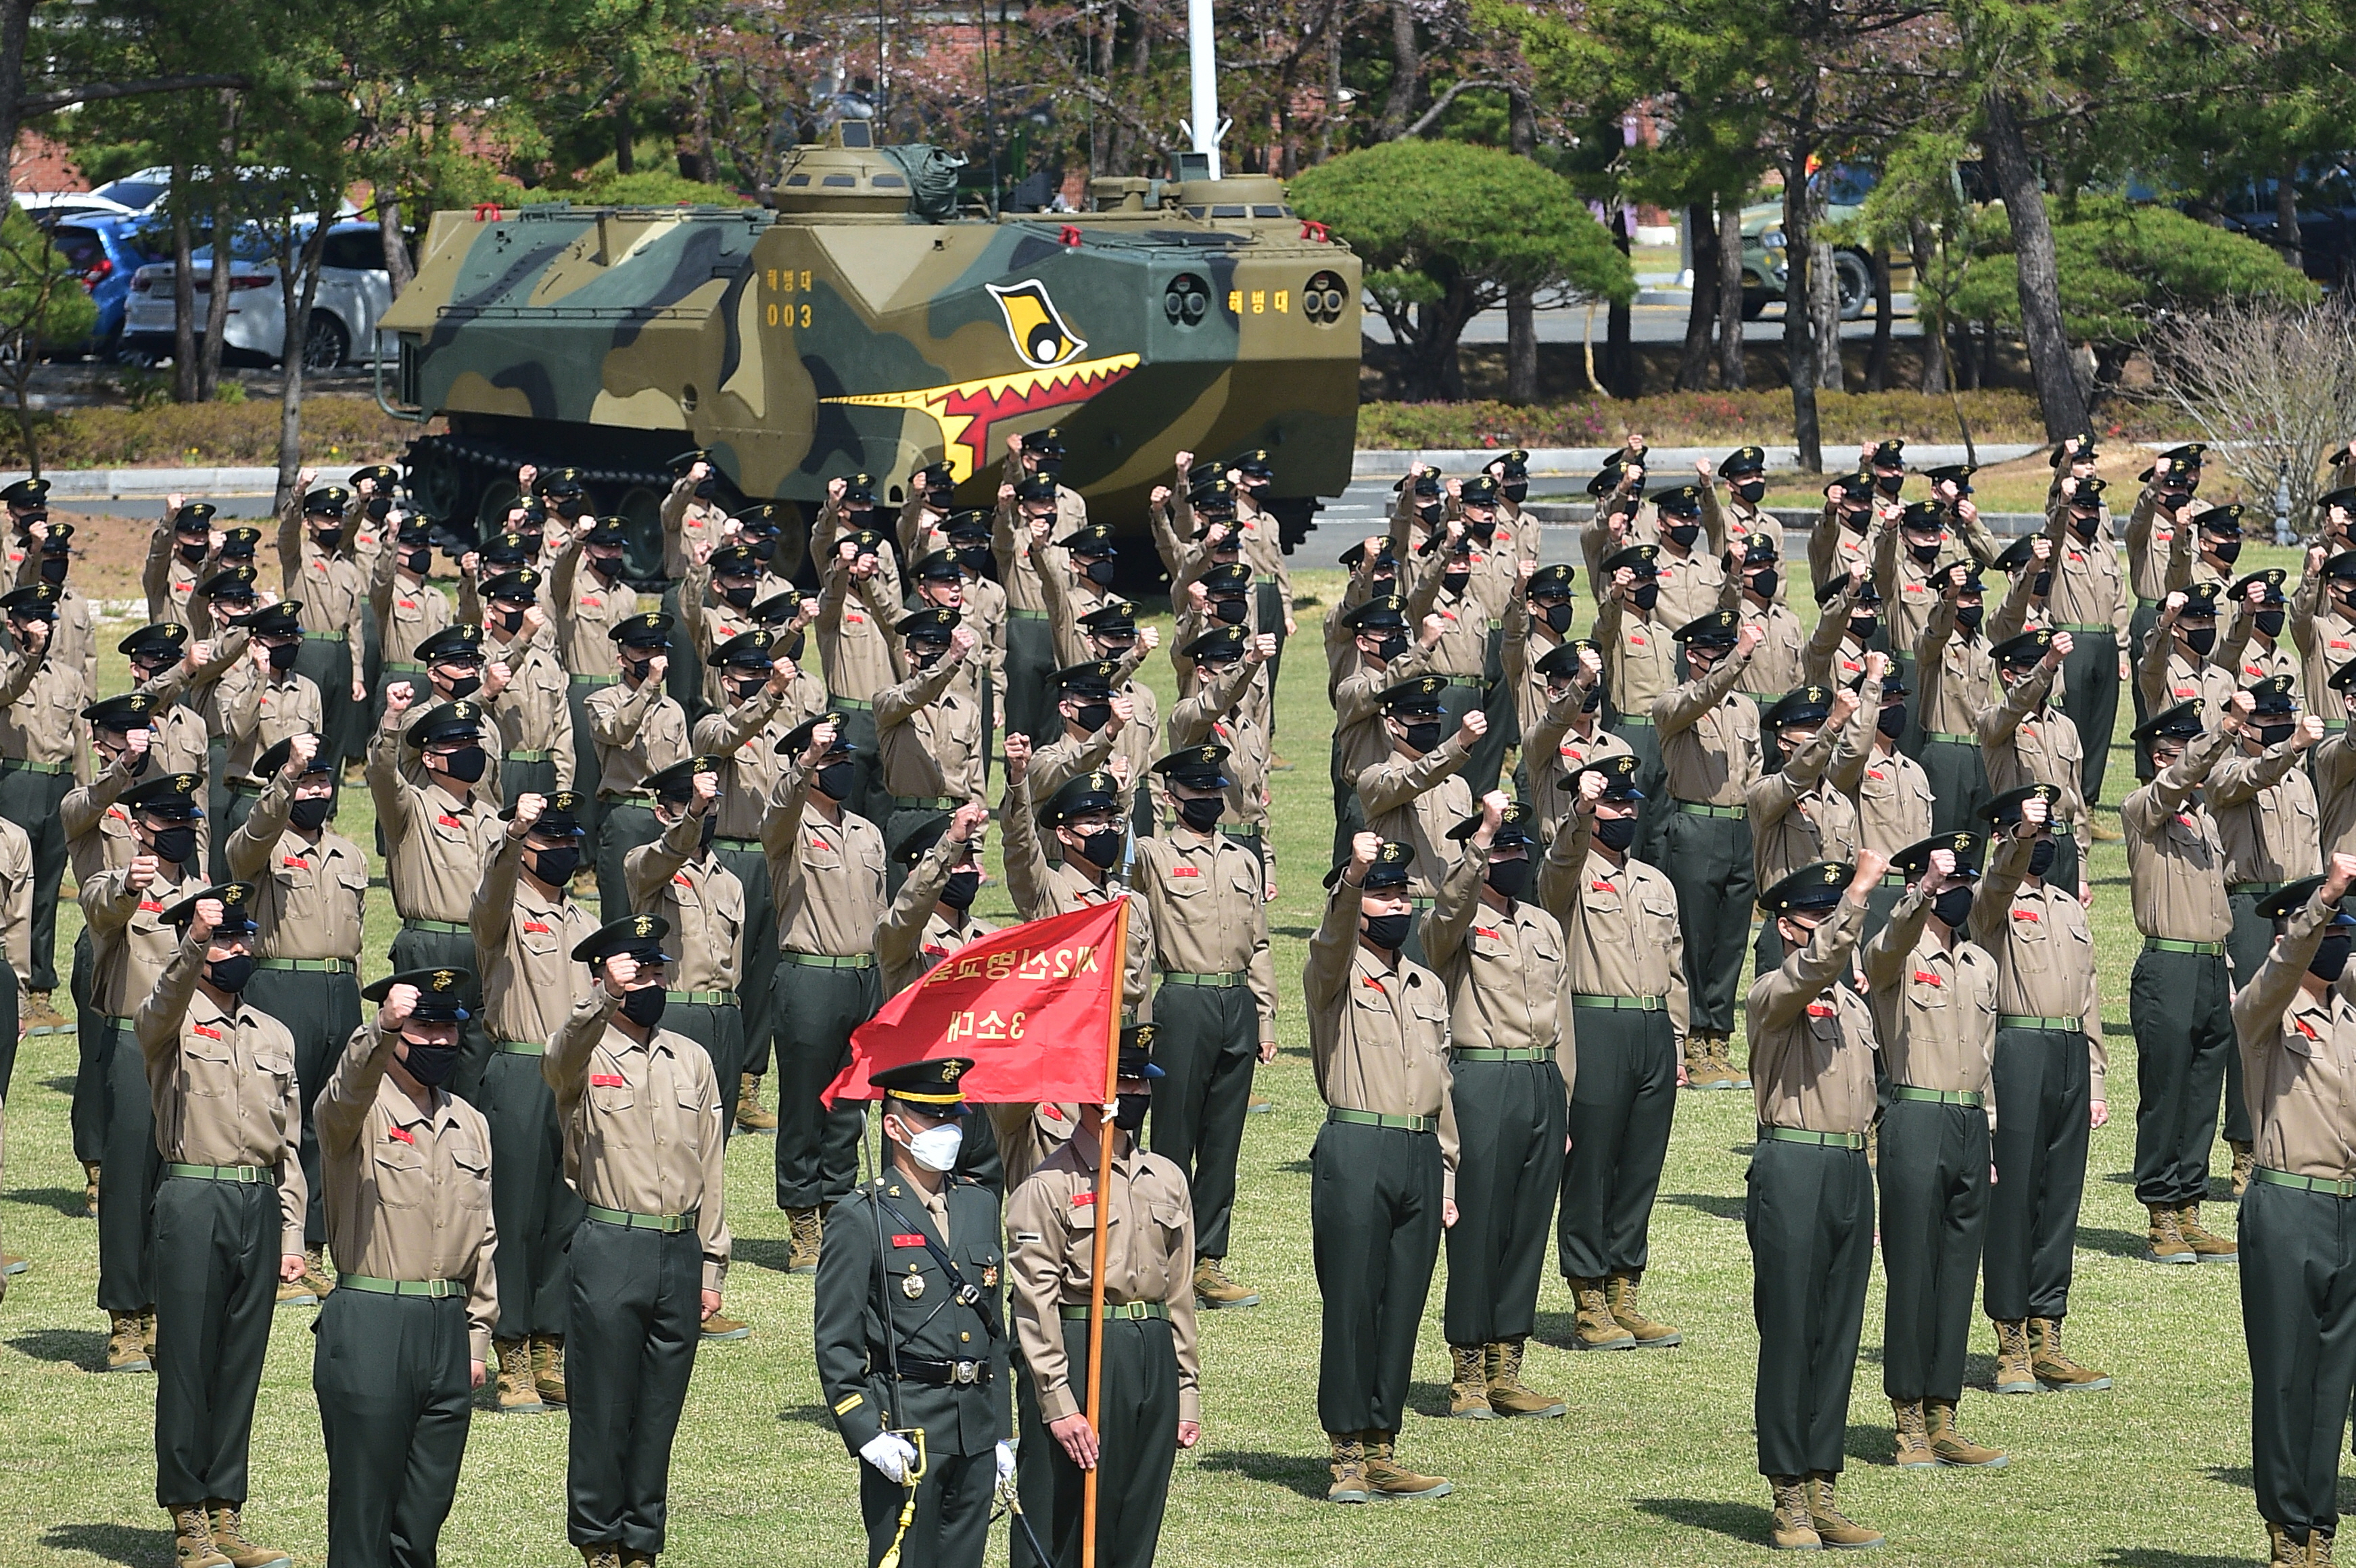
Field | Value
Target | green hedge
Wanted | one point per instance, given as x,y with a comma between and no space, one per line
335,429
1709,419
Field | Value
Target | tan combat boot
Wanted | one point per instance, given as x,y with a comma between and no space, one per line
1951,1446
801,1248
315,1272
192,1544
2281,1551
604,1554
1349,1467
296,1292
12,1265
1736,1078
2165,1244
2319,1548
548,1367
89,1187
1387,1478
1913,1446
229,1538
1214,1290
2246,1160
1835,1528
1597,1329
2207,1246
1508,1395
750,1115
2054,1370
634,1558
1702,1068
1792,1531
148,1336
717,1328
517,1396
126,1344
1620,1298
2014,1373
1468,1383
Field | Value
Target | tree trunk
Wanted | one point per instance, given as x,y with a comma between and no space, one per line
2288,237
1824,311
2058,393
626,153
184,291
1407,73
1876,363
1731,375
217,306
1701,315
1932,320
295,262
1521,305
395,244
1799,339
1619,328
16,21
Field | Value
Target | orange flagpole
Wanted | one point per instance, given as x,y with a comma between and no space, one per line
1106,1133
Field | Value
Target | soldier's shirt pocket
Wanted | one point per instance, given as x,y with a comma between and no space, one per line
611,1092
209,1065
473,1180
1658,905
1926,990
691,1114
820,856
538,936
401,1181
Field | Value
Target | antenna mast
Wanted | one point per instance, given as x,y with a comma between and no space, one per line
1203,68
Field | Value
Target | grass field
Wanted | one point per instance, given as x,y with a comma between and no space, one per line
1655,1464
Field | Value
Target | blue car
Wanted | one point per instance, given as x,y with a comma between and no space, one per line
104,254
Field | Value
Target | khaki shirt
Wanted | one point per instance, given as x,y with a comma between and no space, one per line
257,713
1834,547
1954,678
639,730
677,877
2151,542
223,1085
644,1132
2176,863
1558,749
308,894
2266,818
2299,1058
2168,675
1051,1226
1640,660
167,580
1203,893
588,613
929,737
2044,951
1377,1031
1619,923
1798,815
1068,756
2088,589
744,736
1730,523
854,645
916,936
98,831
1709,737
1780,661
826,877
1506,970
1893,796
1041,889
531,712
524,950
1217,711
41,699
2024,742
407,612
2335,788
17,899
1415,800
686,523
1936,1005
1691,585
1811,1037
1361,740
2325,639
1908,593
437,848
1526,640
408,1192
130,942
331,585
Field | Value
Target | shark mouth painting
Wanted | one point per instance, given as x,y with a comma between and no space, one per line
969,410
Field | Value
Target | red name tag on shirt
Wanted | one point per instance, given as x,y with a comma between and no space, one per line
1634,641
907,1239
2183,819
682,879
2076,557
608,1080
1820,1010
1082,1199
537,927
402,1134
117,812
1185,871
446,820
2028,914
150,906
2304,1027
1925,977
409,603
1484,931
1851,664
1876,774
1598,887
817,844
207,1033
1055,1113
856,619
1370,985
2342,643
297,861
587,603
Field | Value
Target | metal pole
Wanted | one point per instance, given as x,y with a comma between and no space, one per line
1106,1133
1203,68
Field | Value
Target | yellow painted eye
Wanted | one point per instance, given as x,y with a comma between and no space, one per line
1040,335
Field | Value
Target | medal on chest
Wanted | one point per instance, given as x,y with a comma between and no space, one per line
912,1283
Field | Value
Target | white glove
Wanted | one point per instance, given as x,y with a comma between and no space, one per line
893,1455
1005,1463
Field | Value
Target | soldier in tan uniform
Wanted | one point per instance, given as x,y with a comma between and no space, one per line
227,1220
438,836
589,606
2323,628
639,729
263,700
2089,600
1381,655
1512,1063
2178,665
2164,507
41,697
857,608
1113,637
2047,1082
1538,618
98,838
2295,1029
1742,528
1755,587
1800,814
1849,626
2025,739
2178,997
1447,585
1690,573
409,609
826,881
1217,709
1149,1403
528,707
1028,508
320,580
1809,1215
933,915
1085,816
929,732
1640,663
524,924
643,1147
1215,1002
1415,795
2250,641
1571,733
2334,765
1893,797
694,525
309,889
1955,683
180,556
403,1343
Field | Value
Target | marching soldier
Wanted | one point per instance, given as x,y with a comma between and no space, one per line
694,523
438,836
930,734
643,1145
403,1341
855,652
2295,1029
1094,719
2252,645
1446,585
2047,1079
826,880
1755,587
1537,621
1381,657
1893,797
2089,600
1853,605
1149,1401
911,1334
1382,1185
2178,666
1740,524
1640,663
99,838
1084,815
261,703
1227,665
1215,1005
1571,734
1800,814
1690,570
2025,739
1028,508
1511,1068
180,556
408,608
40,699
589,607
639,730
1414,796
1954,678
1935,997
1709,753
227,1224
1810,1210
329,590
524,925
2177,999
529,709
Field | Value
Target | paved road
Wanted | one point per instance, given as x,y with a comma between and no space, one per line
1651,323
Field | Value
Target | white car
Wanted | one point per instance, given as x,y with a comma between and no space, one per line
354,290
65,206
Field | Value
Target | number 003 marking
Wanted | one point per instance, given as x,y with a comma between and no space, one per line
784,316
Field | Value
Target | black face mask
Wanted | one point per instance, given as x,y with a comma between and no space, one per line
2276,734
1203,815
1855,522
175,845
2331,956
762,545
959,890
1683,534
2043,585
53,569
929,653
1890,483
1423,736
1862,628
466,765
1229,611
1764,583
232,974
282,656
706,489
2202,641
975,559
740,597
608,567
1391,647
1101,848
1100,571
311,814
329,538
510,621
1751,490
1926,553
1388,932
2041,857
835,779
1617,834
1431,514
1645,595
1952,907
1892,721
1483,528
2268,622
194,554
1092,716
644,1007
417,560
1968,616
1129,1111
1594,698
1454,582
2083,526
1507,879
569,507
2231,550
1516,490
555,867
430,1064
466,686
747,687
1555,617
